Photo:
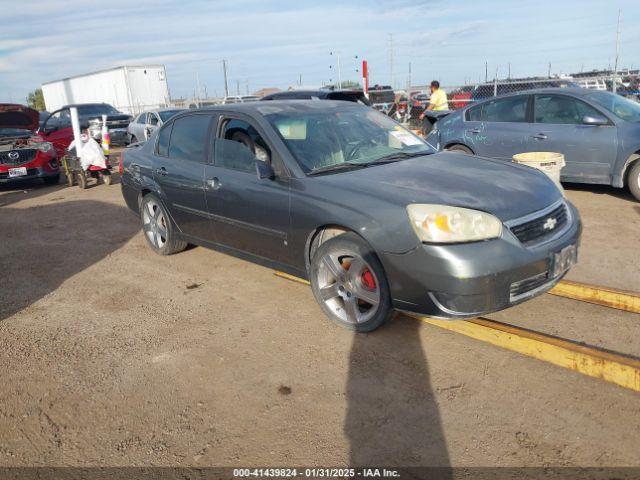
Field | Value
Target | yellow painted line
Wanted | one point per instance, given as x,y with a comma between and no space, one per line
608,297
609,366
594,362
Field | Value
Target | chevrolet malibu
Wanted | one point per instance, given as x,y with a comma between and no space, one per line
340,194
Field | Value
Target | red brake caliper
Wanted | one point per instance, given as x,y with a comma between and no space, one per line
368,280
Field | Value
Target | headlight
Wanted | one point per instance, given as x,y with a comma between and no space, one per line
44,146
444,224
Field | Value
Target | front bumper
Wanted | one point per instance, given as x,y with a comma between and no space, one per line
466,280
32,173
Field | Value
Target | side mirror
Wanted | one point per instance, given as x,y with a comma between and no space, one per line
596,120
264,170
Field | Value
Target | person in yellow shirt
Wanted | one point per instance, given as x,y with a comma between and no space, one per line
438,100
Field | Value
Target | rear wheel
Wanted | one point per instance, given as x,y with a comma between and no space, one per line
349,283
459,148
132,139
157,227
633,180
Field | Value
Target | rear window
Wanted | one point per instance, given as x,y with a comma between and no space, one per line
189,138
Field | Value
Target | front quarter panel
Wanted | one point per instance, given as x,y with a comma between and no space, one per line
314,204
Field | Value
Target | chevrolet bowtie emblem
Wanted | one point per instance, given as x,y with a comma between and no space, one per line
550,224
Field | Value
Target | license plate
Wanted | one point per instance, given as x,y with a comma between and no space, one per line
564,260
17,172
117,130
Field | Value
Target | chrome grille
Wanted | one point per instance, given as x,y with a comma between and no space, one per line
18,157
542,227
527,286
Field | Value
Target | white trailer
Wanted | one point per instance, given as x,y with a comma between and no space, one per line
130,89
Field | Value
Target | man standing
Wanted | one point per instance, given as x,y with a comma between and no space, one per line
438,100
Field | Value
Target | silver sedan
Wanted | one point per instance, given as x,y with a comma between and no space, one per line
141,128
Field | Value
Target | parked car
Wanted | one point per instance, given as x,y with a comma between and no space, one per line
322,94
57,127
147,122
344,196
383,99
598,132
24,156
239,99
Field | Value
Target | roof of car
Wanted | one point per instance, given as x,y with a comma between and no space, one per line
276,106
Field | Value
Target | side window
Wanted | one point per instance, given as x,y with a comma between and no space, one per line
511,109
58,120
239,145
189,138
142,118
153,119
561,110
163,140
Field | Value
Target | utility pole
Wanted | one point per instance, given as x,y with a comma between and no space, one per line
247,86
409,79
198,89
549,72
509,74
615,64
224,71
238,87
339,68
486,72
391,59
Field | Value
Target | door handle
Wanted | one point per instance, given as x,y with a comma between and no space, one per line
213,183
540,136
474,131
161,171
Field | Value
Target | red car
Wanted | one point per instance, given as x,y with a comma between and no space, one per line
24,155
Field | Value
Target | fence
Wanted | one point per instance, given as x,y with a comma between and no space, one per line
461,96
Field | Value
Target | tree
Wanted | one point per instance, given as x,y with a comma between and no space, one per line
35,100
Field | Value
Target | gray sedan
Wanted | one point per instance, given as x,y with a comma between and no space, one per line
146,123
340,194
598,132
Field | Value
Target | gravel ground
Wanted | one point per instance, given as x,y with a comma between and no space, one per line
115,356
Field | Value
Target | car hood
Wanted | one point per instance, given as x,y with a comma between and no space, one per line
18,116
503,189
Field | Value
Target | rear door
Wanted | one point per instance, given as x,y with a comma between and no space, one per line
498,128
178,168
248,213
589,150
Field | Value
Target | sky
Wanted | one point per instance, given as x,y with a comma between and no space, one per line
274,43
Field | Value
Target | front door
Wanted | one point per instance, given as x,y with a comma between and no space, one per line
178,168
589,150
498,128
248,213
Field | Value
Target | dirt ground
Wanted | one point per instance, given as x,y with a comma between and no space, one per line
112,355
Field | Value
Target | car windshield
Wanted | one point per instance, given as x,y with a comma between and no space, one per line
167,114
97,110
355,137
621,107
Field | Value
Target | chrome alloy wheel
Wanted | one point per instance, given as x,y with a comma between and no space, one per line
348,287
154,224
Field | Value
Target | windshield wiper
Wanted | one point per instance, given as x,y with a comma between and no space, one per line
395,157
337,166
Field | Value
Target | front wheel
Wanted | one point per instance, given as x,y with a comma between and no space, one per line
349,283
459,148
157,227
633,180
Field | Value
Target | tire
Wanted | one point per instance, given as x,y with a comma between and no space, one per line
132,139
355,299
459,148
51,180
158,228
633,180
